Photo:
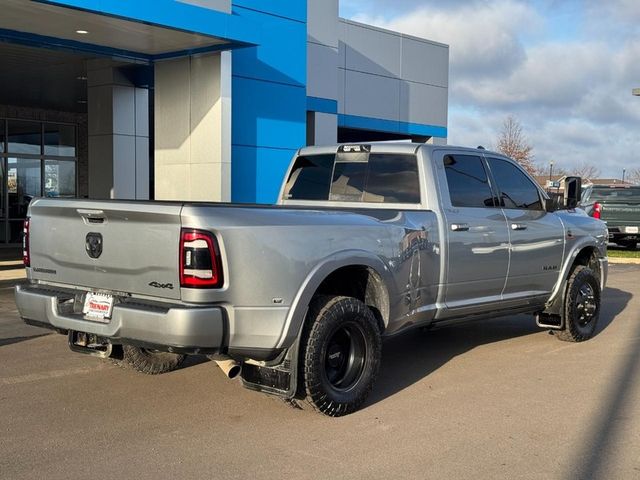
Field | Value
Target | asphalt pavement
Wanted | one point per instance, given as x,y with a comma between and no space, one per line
485,400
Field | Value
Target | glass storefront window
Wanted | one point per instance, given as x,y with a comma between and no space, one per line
59,140
24,137
23,183
36,159
59,178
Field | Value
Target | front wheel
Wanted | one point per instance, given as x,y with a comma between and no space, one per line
582,306
341,350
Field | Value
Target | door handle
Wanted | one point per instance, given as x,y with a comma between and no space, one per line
460,227
518,226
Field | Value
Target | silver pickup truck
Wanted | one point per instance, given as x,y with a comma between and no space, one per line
366,242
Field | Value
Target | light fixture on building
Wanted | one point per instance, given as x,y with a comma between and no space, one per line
82,78
82,32
82,102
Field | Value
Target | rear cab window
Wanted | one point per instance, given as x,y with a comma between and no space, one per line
615,194
377,178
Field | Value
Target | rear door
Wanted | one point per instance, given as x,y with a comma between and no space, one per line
129,247
536,236
476,231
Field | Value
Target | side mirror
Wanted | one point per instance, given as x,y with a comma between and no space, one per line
551,204
572,192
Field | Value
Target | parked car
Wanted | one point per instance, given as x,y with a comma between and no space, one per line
618,206
366,242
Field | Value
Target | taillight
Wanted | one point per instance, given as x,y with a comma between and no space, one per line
200,263
26,258
597,210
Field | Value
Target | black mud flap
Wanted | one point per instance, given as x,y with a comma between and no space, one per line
280,379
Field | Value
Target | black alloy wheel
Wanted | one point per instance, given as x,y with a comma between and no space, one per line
345,356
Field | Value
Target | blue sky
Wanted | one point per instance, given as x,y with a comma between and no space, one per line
563,68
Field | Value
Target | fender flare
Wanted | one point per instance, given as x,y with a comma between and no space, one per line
558,291
299,306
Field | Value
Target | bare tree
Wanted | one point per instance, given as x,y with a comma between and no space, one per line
541,169
586,170
514,144
633,176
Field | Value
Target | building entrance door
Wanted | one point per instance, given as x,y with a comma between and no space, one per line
37,159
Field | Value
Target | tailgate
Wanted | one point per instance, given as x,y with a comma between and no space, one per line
619,214
139,243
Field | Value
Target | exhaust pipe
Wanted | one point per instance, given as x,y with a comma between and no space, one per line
230,367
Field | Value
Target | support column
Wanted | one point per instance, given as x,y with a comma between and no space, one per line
192,128
118,126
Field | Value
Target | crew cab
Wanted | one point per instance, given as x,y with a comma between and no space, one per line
365,242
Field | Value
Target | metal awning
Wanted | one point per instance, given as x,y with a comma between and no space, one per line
133,29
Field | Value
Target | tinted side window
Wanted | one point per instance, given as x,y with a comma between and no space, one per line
468,182
392,178
310,178
516,190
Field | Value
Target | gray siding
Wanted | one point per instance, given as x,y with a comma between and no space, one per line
373,72
392,76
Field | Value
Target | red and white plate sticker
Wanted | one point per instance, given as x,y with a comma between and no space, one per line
98,306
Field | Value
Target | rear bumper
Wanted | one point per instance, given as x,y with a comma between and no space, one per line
615,235
179,328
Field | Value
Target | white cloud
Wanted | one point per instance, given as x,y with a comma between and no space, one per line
483,37
568,77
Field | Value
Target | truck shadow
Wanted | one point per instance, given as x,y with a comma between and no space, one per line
12,340
409,358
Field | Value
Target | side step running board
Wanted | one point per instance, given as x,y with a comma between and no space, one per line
552,322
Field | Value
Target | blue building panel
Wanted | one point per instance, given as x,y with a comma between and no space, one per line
270,172
268,114
269,98
292,9
281,56
257,173
322,105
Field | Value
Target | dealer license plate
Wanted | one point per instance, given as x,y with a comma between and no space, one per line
98,307
630,229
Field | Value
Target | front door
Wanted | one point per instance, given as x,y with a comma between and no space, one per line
536,236
476,231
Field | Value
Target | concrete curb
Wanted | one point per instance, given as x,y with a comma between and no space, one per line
17,274
634,261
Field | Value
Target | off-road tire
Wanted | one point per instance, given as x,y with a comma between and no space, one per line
340,355
581,306
150,361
